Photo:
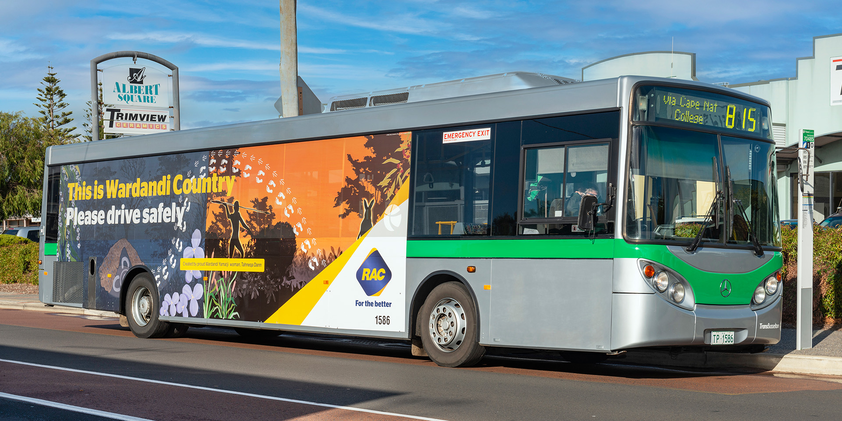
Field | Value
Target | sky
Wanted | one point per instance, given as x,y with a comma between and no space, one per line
228,52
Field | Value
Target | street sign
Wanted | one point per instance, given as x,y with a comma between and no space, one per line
136,120
808,138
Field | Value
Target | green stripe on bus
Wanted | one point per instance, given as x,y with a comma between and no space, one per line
705,284
50,249
512,249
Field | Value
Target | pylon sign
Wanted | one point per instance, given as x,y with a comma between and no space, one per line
136,86
136,97
140,96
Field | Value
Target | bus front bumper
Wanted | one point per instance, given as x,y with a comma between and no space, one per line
647,320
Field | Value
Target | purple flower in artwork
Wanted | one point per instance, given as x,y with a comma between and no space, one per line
168,307
181,306
192,297
194,252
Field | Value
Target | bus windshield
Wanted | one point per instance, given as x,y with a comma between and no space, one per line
683,182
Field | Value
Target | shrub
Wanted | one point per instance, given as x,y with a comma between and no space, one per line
18,260
6,240
827,275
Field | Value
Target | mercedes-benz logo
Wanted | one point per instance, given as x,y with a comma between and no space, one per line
725,288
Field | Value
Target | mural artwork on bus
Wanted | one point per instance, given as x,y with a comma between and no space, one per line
308,233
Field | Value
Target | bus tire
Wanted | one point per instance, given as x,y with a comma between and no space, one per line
142,304
449,326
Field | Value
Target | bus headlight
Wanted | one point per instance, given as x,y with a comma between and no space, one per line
661,281
759,294
767,291
677,292
771,285
667,284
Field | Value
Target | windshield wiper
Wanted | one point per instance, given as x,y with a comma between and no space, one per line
737,203
758,249
712,213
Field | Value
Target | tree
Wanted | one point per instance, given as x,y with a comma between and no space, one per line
22,146
89,117
379,175
52,105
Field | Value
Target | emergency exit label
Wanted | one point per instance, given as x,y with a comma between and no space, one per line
467,135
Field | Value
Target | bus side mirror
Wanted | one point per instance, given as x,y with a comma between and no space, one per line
587,211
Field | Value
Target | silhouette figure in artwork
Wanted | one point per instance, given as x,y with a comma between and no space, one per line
368,219
236,219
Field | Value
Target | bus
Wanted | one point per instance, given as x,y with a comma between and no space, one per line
587,218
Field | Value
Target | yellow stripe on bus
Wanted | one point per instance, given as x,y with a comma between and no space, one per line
294,311
297,308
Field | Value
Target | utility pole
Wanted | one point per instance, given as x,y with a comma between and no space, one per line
289,59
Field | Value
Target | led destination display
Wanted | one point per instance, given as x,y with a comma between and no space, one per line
659,104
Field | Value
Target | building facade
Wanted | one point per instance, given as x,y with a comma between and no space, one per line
810,100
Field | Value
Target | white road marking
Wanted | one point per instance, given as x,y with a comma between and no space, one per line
67,407
230,392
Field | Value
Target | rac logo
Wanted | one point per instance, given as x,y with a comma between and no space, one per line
373,275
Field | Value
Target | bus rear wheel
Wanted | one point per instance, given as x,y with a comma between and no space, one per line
142,304
449,326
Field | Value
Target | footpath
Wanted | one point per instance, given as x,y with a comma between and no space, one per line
824,358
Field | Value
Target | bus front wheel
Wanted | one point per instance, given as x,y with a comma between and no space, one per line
449,326
142,304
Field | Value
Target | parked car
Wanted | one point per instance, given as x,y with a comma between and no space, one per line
832,221
791,223
30,233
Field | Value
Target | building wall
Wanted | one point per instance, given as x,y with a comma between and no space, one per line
801,102
804,102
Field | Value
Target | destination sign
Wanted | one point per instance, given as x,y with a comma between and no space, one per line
724,113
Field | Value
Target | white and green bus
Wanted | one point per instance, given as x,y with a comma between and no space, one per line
588,218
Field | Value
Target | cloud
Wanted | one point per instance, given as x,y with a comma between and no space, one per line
385,19
707,13
200,40
171,37
232,91
11,51
228,50
312,50
258,66
222,96
473,13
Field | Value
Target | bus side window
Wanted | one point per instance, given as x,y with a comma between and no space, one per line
452,185
556,178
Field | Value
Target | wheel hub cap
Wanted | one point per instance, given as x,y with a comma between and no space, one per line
447,324
142,306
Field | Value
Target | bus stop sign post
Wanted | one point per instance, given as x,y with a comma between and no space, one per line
804,316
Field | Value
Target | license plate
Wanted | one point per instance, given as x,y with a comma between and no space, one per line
721,338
